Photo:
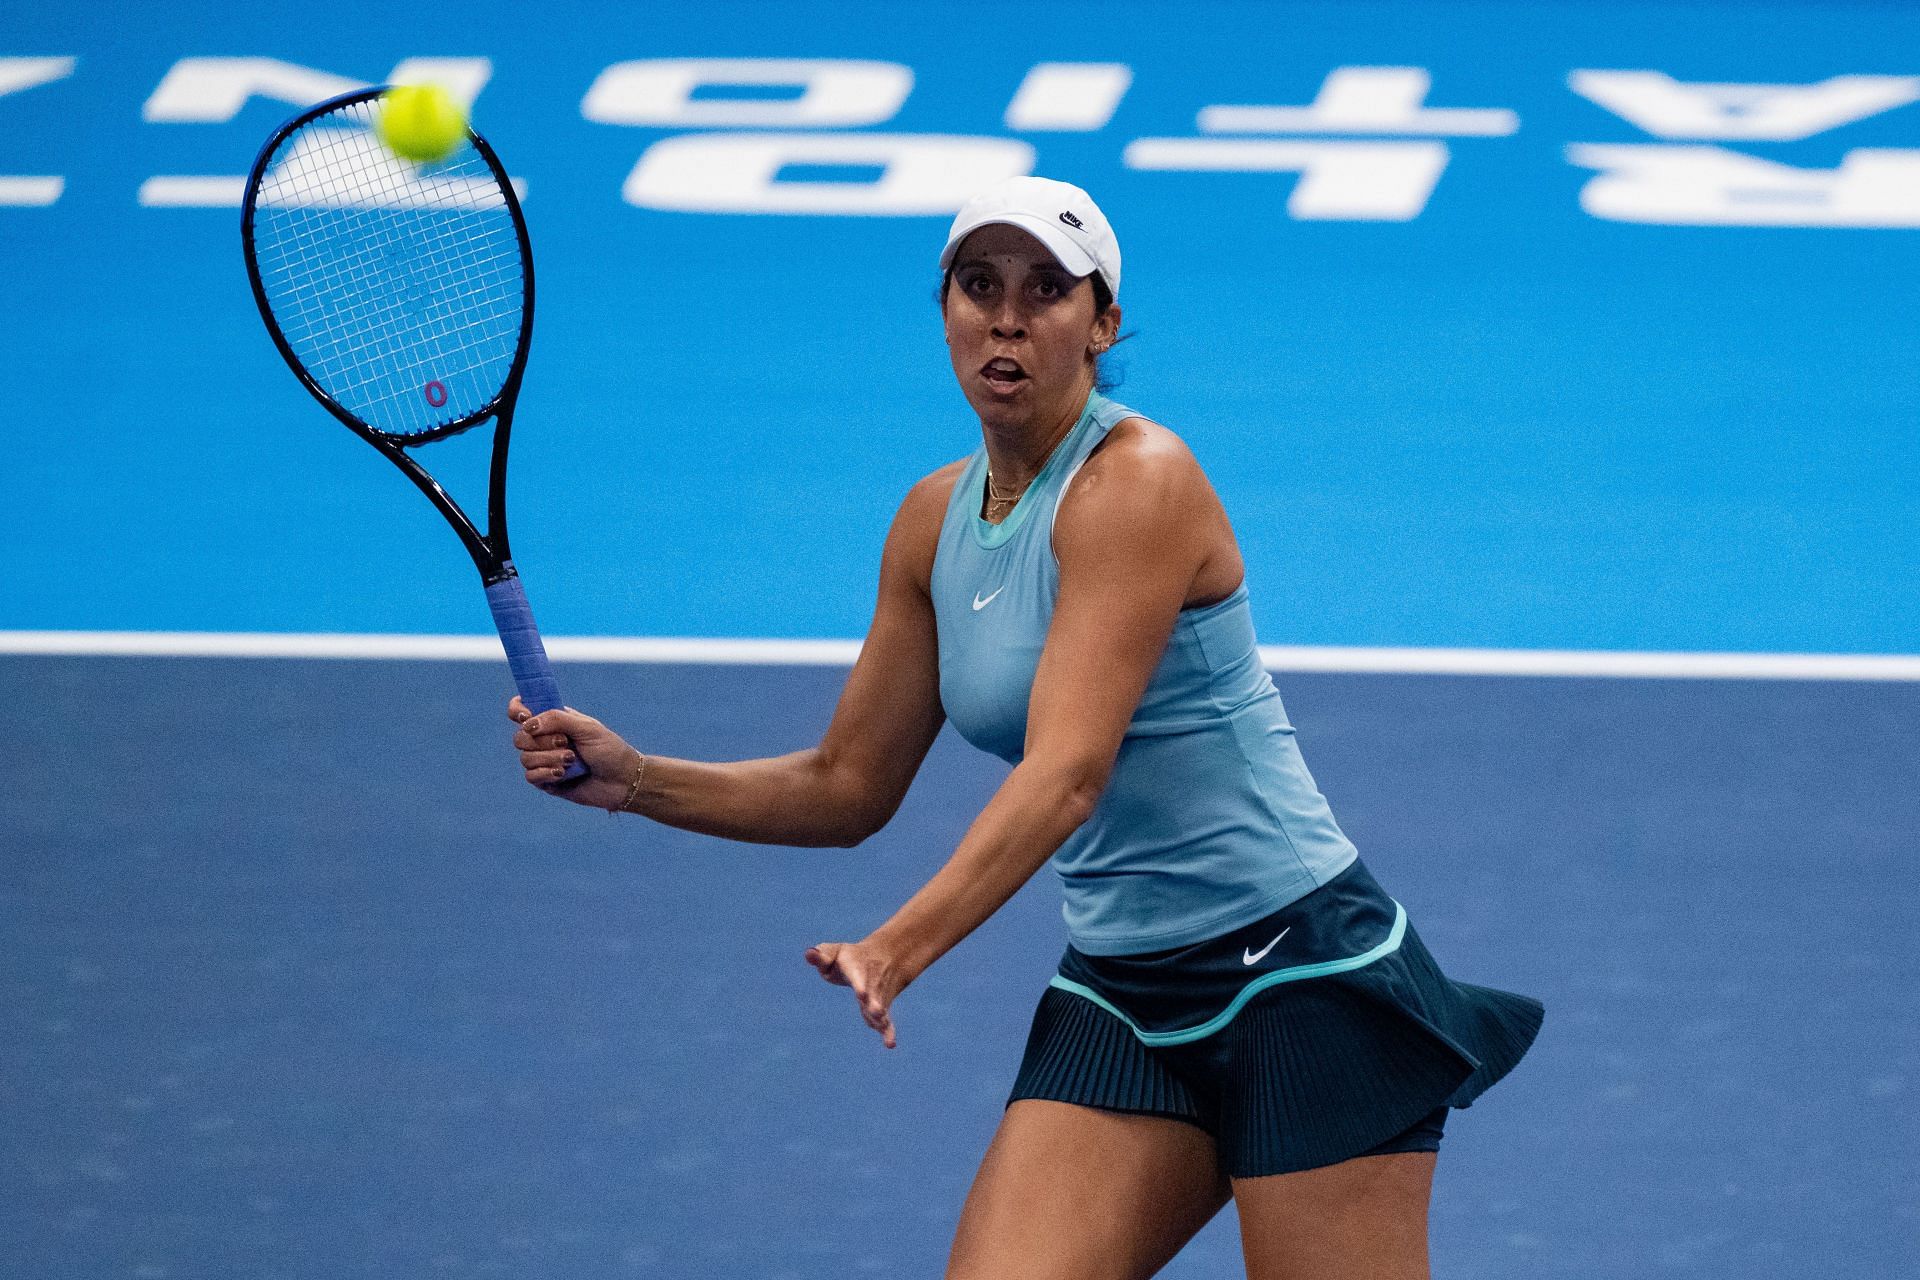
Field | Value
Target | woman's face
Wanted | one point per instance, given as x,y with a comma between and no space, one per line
1020,329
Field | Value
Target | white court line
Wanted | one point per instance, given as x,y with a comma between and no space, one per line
840,653
477,648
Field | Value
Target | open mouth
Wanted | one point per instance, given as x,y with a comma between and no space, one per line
1003,372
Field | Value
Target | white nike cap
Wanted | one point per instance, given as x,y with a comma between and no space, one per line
1058,214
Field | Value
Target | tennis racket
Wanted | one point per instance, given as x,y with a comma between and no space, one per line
401,295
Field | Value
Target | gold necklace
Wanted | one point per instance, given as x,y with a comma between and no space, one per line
996,498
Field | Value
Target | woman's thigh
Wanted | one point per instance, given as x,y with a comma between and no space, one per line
1361,1219
1075,1193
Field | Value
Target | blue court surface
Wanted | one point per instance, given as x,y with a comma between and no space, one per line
302,982
1573,337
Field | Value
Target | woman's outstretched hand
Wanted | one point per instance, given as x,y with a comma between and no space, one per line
872,975
549,742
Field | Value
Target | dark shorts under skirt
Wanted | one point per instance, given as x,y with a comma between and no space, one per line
1318,1033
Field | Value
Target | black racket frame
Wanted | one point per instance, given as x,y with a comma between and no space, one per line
491,553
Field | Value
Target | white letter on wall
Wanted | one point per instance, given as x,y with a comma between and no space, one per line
1668,108
17,74
918,173
1069,96
834,93
24,73
1339,181
1711,186
215,90
1365,100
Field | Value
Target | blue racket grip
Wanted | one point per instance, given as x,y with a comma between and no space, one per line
526,656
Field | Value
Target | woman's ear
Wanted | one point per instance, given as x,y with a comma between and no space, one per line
1106,329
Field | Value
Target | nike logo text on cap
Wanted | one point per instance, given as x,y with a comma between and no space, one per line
1250,956
979,604
1073,222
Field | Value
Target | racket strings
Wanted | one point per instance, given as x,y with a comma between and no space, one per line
399,288
349,184
368,336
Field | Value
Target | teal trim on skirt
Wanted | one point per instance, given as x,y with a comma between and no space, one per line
1308,1037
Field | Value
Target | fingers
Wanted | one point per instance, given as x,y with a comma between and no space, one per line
841,965
823,958
876,1016
525,742
550,737
545,747
544,768
562,722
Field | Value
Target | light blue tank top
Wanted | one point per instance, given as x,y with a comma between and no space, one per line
1210,819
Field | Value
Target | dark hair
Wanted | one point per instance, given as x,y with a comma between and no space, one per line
1105,375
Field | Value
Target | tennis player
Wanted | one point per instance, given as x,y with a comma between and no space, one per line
1241,1011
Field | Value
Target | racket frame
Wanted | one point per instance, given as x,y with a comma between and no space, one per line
492,553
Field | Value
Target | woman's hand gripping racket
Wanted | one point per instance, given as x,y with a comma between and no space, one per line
402,296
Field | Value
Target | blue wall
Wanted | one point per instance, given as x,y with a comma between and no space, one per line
1504,420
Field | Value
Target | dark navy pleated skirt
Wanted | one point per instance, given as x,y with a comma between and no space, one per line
1313,1035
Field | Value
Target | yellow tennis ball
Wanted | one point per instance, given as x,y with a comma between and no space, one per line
421,122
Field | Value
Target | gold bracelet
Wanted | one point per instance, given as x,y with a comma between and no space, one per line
633,790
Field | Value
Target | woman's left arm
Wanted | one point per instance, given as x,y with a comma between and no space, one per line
1131,535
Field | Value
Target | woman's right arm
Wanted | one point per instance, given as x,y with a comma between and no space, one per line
837,793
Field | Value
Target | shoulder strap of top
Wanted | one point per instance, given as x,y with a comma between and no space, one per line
1106,415
958,504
